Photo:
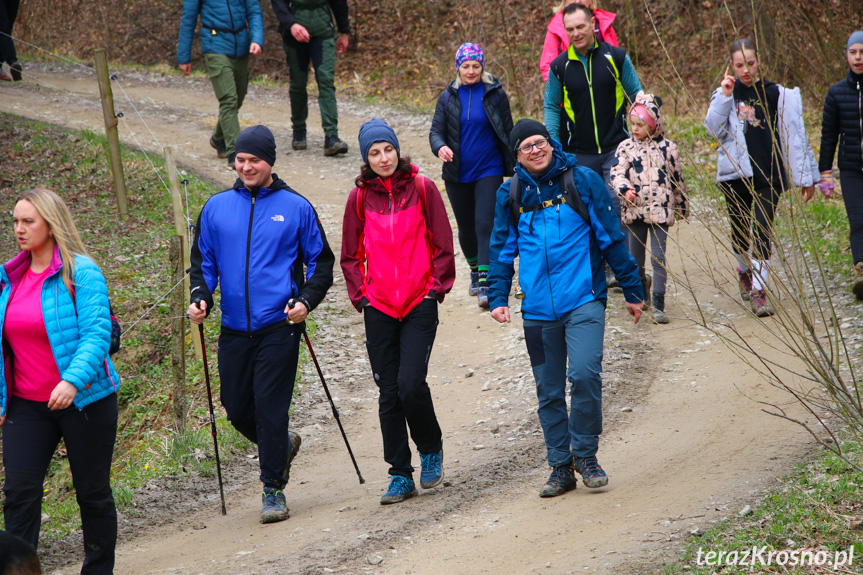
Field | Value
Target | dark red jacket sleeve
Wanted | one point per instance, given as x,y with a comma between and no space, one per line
353,253
440,234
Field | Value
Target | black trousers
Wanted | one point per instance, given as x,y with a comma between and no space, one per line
8,14
30,437
852,195
258,371
399,354
746,203
473,206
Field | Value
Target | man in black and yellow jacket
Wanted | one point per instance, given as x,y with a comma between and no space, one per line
309,37
591,84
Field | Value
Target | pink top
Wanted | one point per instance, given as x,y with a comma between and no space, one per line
34,368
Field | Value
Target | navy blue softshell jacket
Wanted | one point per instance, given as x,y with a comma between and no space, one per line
560,254
262,250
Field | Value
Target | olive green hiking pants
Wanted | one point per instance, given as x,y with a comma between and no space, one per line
230,79
321,53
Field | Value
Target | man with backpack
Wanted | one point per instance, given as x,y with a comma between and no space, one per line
231,31
262,244
557,217
588,87
309,37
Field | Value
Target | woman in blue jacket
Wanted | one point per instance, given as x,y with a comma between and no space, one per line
56,379
470,134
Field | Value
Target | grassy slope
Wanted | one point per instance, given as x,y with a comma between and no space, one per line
133,255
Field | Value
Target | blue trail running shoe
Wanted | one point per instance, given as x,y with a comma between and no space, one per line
591,473
561,480
432,469
400,488
275,508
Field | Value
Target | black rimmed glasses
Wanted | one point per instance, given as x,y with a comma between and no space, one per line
539,145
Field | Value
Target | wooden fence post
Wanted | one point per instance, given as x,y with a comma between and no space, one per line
180,228
107,97
178,336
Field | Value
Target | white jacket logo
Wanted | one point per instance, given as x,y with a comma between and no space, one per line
278,218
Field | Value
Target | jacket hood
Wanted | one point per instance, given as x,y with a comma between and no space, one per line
278,184
377,184
653,105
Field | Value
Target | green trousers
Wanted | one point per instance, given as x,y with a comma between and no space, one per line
230,79
320,53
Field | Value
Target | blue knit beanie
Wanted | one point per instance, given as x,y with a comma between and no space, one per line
855,38
258,141
375,131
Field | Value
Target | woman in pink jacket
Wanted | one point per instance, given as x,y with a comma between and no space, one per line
556,40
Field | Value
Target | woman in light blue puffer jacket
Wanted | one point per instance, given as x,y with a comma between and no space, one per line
56,379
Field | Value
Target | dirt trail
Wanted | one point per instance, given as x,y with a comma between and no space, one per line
694,447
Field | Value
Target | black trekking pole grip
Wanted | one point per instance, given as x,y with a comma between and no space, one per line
330,398
212,416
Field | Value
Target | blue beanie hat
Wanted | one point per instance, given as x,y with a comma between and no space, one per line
258,141
376,131
855,38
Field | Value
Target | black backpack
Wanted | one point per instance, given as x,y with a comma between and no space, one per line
569,196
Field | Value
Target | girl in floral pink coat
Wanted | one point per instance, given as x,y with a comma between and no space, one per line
648,177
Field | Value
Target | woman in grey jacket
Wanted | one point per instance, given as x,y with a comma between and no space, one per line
761,137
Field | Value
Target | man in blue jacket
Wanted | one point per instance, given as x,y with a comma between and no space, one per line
561,231
231,30
254,241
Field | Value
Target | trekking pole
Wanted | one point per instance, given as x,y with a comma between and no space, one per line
212,417
330,397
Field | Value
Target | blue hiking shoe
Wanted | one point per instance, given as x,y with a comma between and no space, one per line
591,473
294,443
275,508
432,469
400,488
561,480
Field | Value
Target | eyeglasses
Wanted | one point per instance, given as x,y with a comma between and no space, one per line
539,145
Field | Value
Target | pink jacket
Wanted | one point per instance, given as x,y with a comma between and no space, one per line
556,40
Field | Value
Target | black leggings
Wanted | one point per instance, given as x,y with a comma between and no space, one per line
852,195
473,206
30,436
745,202
399,354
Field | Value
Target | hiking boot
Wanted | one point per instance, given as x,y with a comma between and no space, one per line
298,140
591,473
275,509
744,282
400,488
15,70
232,161
333,146
659,308
857,286
473,288
561,480
482,296
432,469
646,284
760,306
219,146
294,441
